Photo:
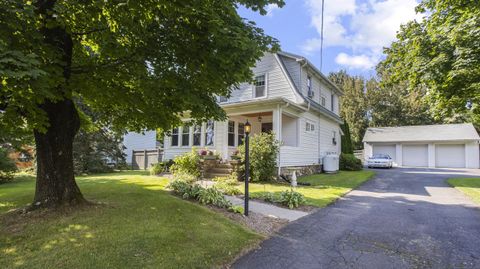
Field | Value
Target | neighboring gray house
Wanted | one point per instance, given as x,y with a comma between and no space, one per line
290,97
136,141
446,145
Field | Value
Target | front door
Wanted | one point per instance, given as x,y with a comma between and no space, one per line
267,127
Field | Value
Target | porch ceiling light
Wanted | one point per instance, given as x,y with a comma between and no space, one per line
259,118
248,127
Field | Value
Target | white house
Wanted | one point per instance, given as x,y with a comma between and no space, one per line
447,145
290,97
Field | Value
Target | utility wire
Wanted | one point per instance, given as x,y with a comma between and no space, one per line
321,37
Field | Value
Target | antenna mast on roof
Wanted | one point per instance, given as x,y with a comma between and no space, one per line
321,37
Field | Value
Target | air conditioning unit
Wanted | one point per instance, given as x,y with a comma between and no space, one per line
311,94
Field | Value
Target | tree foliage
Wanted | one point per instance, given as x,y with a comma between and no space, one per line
440,58
7,166
135,64
97,151
264,150
353,107
394,105
347,146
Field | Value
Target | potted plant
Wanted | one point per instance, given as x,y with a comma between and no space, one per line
236,156
210,155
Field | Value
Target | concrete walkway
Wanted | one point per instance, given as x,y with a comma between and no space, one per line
269,210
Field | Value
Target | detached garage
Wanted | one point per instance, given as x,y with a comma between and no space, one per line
447,145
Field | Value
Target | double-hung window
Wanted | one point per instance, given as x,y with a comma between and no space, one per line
185,135
197,135
332,102
174,137
209,133
260,89
241,133
231,133
309,87
322,100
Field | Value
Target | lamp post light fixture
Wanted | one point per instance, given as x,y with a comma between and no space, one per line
248,129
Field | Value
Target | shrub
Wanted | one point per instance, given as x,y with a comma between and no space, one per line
269,197
160,167
228,189
237,209
187,163
192,192
182,176
291,198
213,196
263,156
7,167
179,187
348,162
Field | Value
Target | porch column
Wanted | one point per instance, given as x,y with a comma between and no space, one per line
277,122
277,128
223,145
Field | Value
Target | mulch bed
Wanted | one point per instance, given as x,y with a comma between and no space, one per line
257,222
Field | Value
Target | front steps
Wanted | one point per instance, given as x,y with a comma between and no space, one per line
219,170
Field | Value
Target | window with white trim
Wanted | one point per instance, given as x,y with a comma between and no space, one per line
322,100
310,126
310,92
231,133
260,89
185,135
332,107
174,137
197,135
209,133
241,133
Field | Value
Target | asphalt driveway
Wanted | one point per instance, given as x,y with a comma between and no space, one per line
403,218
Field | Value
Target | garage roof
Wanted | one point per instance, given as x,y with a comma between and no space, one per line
443,132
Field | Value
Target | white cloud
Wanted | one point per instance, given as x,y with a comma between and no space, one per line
270,8
363,28
356,61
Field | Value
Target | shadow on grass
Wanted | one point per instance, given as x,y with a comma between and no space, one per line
136,223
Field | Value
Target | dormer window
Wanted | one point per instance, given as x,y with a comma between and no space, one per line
260,89
309,87
332,102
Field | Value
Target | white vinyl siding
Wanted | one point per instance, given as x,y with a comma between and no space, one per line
136,141
276,80
306,151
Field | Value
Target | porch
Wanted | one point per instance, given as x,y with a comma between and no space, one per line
285,125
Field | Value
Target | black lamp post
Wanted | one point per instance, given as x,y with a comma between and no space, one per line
248,129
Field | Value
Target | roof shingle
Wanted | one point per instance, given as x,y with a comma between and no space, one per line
442,132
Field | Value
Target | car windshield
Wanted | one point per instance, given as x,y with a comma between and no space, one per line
380,156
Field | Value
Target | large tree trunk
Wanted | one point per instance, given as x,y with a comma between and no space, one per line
55,178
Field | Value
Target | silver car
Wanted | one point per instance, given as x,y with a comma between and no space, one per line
380,161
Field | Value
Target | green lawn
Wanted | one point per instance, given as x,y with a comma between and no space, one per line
324,189
469,186
138,225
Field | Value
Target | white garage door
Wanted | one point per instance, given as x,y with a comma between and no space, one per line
415,155
385,149
450,156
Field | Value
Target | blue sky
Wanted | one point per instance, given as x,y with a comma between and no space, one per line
355,31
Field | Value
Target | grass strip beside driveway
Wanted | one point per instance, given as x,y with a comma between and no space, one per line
324,188
469,186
